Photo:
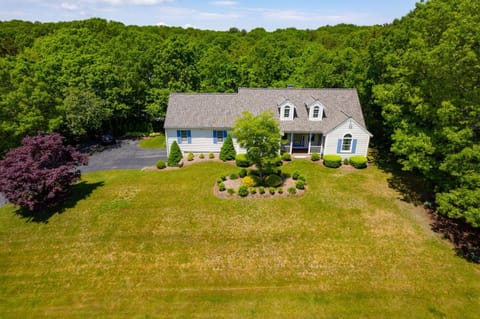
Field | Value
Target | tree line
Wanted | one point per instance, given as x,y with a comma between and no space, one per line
417,77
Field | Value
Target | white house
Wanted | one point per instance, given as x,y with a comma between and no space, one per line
326,121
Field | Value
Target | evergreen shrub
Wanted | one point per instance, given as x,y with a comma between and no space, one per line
161,164
243,191
332,160
242,161
358,161
315,157
273,181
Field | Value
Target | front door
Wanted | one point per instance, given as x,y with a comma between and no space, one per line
299,141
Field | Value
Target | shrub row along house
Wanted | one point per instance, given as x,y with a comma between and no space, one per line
325,121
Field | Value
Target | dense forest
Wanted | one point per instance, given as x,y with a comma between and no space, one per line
418,80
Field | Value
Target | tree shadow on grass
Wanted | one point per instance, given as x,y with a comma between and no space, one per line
78,192
416,191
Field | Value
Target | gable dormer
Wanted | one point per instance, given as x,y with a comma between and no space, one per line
287,111
315,111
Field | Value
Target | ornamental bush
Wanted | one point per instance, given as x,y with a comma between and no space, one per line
261,190
300,184
358,161
175,155
271,190
273,181
211,156
346,161
201,156
243,191
292,190
332,160
230,191
227,152
280,190
190,156
287,157
233,176
253,190
242,161
37,174
250,181
295,175
315,157
221,187
242,173
161,164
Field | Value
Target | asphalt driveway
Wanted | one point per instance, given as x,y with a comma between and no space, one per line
126,154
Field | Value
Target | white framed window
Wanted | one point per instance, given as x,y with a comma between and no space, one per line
347,143
286,111
184,136
316,112
220,136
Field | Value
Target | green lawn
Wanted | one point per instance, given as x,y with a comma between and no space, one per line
153,142
160,245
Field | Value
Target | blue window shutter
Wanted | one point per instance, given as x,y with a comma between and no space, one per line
339,146
215,140
179,137
354,146
189,136
224,135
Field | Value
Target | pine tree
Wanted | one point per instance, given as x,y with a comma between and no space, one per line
228,153
175,155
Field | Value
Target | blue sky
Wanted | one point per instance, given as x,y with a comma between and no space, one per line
212,14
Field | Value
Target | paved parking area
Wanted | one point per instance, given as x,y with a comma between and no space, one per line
124,155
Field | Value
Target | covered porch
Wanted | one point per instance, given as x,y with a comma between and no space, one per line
302,143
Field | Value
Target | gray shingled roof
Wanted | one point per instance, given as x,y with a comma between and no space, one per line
207,110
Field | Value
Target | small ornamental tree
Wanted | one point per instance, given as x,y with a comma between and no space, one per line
36,174
227,152
175,155
260,136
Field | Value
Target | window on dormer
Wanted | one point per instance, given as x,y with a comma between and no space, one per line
286,112
316,112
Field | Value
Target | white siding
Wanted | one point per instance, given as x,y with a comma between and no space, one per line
347,127
201,142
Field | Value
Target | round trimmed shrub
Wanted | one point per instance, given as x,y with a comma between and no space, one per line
190,156
315,157
161,164
261,190
221,187
230,191
358,161
242,173
250,181
273,181
287,157
292,190
233,176
346,161
242,161
243,191
332,160
211,156
253,190
300,184
280,190
271,190
201,156
295,175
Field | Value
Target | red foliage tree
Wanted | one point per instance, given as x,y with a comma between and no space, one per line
35,175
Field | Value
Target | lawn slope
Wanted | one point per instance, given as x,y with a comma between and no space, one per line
158,244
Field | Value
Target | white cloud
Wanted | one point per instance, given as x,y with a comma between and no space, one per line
224,3
135,2
159,24
69,6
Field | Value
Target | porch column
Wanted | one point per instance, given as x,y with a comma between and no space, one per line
291,143
309,142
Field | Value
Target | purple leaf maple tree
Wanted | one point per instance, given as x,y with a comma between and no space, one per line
39,172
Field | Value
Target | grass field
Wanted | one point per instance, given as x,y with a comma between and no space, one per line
138,244
153,142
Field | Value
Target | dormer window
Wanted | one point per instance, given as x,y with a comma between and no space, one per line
315,111
287,111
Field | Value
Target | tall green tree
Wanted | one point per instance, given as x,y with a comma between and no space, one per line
260,136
